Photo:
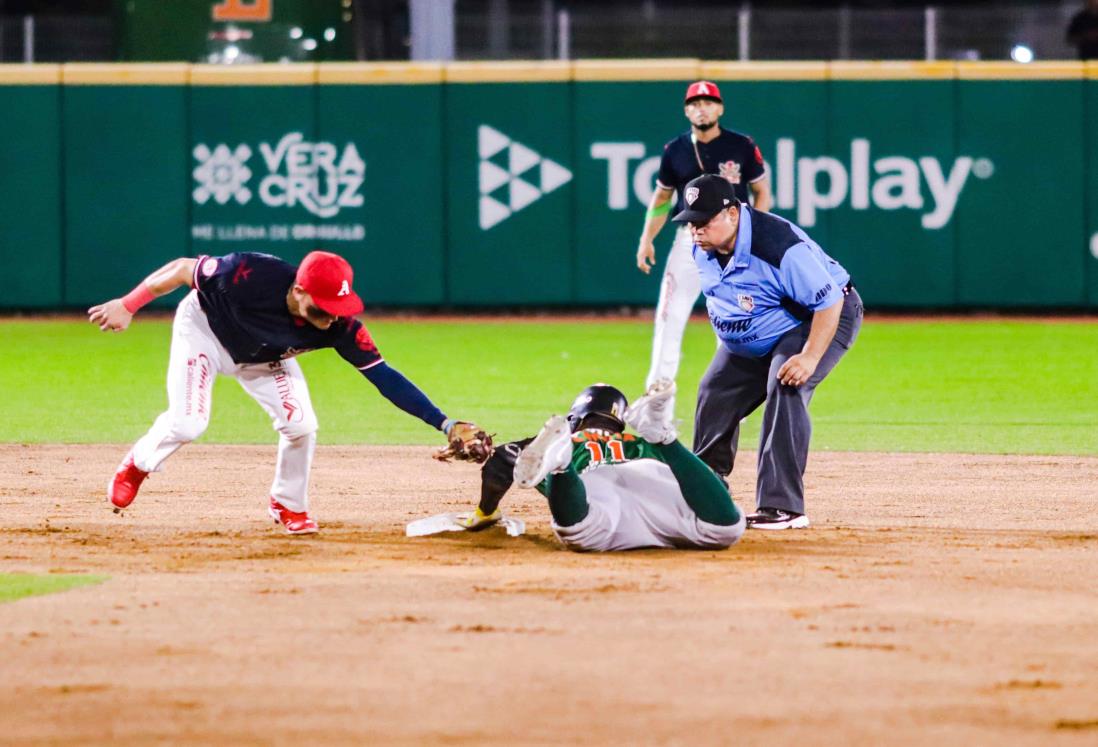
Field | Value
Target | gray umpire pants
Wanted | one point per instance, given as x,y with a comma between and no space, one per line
734,386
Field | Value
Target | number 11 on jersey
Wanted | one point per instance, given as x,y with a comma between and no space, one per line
598,454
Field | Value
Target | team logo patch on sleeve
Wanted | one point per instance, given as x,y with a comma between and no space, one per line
209,267
746,302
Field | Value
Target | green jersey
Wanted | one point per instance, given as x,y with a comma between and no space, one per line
593,448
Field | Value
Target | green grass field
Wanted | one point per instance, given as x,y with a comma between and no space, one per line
18,585
1028,387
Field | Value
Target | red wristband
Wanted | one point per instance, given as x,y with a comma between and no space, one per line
138,297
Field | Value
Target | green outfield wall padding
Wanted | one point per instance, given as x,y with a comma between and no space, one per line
126,183
941,185
1020,238
1091,197
30,196
509,209
400,257
894,227
617,160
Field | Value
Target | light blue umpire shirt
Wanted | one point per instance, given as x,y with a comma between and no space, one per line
776,279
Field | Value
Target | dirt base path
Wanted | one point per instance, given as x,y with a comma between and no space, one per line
936,600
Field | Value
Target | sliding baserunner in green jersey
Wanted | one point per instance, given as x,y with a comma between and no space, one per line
609,490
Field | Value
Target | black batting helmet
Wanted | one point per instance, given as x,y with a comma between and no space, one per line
602,400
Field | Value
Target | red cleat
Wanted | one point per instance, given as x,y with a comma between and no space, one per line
127,480
295,523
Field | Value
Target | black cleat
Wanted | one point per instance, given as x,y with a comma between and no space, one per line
775,518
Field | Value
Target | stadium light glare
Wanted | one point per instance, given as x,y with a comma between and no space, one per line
296,32
309,44
1021,53
329,34
231,52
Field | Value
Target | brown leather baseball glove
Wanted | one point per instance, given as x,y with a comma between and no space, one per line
468,443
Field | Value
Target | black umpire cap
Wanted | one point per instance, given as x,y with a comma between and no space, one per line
705,197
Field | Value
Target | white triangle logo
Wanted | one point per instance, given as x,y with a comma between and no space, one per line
492,177
521,158
521,192
490,141
492,212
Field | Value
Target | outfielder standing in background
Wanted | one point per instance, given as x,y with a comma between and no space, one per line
247,317
705,149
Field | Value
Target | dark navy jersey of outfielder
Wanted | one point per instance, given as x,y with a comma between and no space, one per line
774,280
730,154
244,297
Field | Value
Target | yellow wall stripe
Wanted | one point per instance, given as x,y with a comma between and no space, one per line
506,72
369,73
281,74
394,73
1016,71
889,70
734,71
671,69
111,74
29,75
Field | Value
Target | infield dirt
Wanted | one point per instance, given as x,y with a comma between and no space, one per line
938,599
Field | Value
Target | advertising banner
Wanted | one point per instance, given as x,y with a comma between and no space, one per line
961,185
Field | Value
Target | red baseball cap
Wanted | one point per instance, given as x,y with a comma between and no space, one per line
703,89
327,278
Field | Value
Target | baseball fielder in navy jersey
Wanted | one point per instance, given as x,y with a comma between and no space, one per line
248,316
785,314
705,148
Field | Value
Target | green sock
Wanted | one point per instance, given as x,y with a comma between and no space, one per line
701,488
567,498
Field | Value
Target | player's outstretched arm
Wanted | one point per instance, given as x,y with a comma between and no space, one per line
116,314
658,209
467,441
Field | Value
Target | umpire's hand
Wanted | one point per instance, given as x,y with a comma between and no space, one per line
798,369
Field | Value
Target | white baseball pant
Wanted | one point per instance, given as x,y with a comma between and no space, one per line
196,360
678,293
640,504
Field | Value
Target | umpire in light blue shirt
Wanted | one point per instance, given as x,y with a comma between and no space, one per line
785,313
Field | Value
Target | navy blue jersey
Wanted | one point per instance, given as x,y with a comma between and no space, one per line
244,297
730,154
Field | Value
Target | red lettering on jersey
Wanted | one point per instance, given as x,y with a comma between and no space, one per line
242,273
364,341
